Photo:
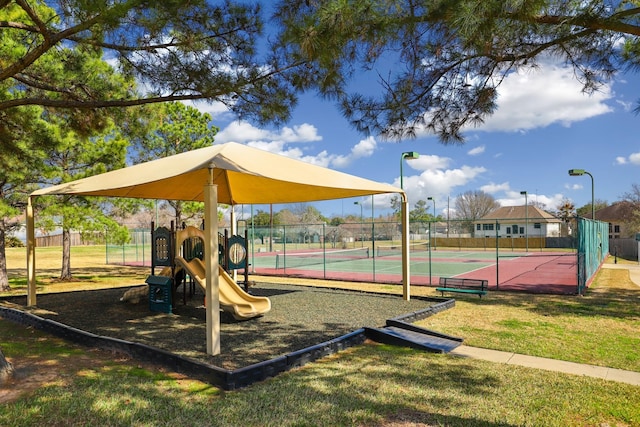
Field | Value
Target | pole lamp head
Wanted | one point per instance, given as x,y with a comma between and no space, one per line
410,155
576,172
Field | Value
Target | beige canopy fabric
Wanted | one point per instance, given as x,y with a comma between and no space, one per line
227,173
244,175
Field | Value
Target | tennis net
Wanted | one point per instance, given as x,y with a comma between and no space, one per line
302,259
396,250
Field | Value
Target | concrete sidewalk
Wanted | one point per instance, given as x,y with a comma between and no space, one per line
634,270
611,374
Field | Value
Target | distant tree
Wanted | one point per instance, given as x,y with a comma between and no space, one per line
261,223
439,63
24,139
566,212
308,214
77,157
336,220
174,128
420,212
538,205
473,205
262,219
396,206
585,211
387,228
633,196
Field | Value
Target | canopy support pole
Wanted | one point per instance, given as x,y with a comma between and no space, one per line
406,274
212,293
31,255
234,231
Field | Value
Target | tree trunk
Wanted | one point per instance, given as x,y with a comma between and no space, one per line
66,255
4,277
6,369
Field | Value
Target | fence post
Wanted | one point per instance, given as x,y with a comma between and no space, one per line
497,256
430,275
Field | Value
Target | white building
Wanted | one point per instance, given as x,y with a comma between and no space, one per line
517,221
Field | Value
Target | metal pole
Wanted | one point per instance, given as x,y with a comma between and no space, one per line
497,257
593,199
430,275
409,155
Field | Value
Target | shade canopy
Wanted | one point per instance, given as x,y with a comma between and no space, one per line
227,173
244,175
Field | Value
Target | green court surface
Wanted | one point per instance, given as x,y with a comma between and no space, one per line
438,263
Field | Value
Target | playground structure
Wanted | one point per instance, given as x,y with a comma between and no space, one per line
180,253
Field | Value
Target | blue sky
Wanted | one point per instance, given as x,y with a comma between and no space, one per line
544,126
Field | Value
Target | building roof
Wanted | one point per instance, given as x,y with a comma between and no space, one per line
617,212
523,212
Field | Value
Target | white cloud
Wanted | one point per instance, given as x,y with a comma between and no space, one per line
438,182
290,142
626,106
537,98
426,162
573,187
243,132
635,158
363,149
495,188
476,151
514,198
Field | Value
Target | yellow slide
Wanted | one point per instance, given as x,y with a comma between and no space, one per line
232,298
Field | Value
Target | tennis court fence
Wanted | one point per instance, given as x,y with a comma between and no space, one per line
371,251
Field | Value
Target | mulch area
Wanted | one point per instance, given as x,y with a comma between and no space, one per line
301,316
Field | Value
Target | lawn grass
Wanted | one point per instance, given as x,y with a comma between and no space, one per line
370,384
87,265
600,328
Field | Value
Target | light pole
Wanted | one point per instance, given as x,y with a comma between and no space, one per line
409,155
434,219
361,222
578,172
526,219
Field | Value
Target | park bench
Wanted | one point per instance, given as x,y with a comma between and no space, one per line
466,286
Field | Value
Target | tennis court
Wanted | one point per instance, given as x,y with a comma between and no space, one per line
530,271
536,264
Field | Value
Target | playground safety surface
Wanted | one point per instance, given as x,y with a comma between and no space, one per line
300,317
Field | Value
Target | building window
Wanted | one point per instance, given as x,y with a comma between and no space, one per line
616,228
537,225
487,227
515,229
478,227
521,230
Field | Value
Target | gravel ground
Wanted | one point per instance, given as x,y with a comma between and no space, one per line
300,316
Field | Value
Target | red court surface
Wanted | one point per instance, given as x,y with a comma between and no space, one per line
535,272
545,273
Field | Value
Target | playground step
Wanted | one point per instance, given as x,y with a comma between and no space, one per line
415,337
